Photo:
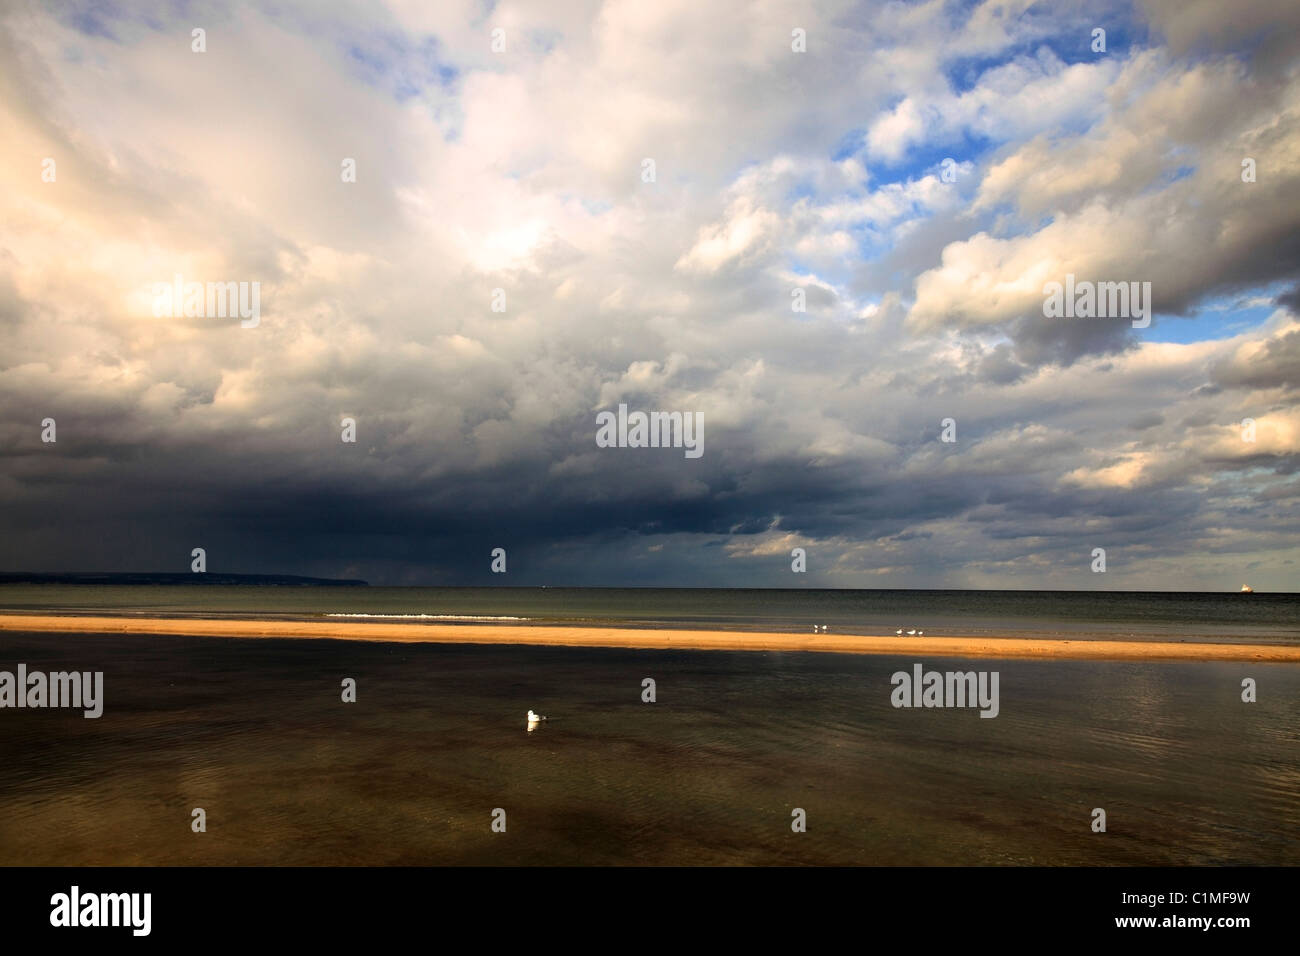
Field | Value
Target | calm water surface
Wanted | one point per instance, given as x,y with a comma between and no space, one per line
1074,614
254,732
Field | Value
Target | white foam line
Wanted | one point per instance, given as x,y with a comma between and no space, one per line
433,617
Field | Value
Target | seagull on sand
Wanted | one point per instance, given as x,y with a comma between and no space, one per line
899,632
912,632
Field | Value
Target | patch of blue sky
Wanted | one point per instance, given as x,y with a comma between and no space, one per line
919,158
91,17
1122,34
963,74
871,241
1171,176
838,271
923,158
1219,318
1068,34
849,145
836,274
403,67
802,189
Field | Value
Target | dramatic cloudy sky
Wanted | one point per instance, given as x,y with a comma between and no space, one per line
775,170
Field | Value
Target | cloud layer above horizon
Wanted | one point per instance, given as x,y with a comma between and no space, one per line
774,171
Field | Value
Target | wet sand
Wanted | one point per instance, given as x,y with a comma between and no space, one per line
650,638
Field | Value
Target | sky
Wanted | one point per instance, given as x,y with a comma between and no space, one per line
474,227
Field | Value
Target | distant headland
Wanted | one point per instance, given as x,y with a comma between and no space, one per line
149,579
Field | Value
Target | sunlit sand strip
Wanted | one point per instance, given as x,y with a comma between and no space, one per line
657,639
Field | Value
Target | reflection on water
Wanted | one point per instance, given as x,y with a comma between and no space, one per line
255,732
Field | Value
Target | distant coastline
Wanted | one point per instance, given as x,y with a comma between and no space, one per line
188,579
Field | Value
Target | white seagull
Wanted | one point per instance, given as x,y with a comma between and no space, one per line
534,720
899,632
912,632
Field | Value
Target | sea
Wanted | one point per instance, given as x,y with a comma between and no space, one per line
434,763
1077,615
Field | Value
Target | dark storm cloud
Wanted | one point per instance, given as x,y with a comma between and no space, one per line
476,429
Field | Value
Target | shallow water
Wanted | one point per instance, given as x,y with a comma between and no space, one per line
1075,614
254,732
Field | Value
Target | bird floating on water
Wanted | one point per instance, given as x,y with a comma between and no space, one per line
534,720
